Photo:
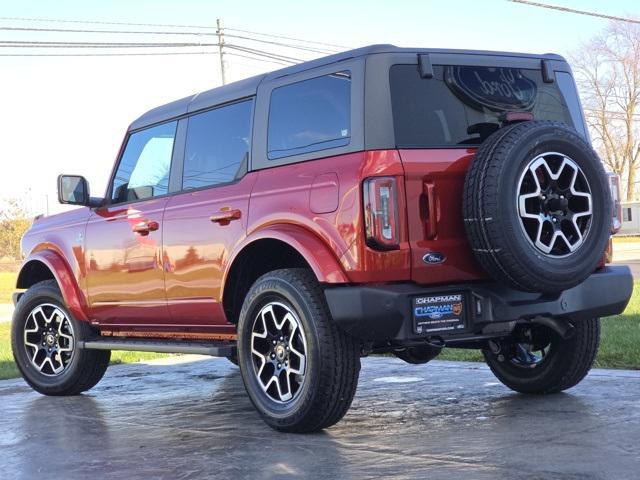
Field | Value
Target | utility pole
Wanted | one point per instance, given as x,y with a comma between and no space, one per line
220,33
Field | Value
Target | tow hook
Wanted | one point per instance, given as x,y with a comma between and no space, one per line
560,326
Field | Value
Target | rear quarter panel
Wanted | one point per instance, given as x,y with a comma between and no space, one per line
324,197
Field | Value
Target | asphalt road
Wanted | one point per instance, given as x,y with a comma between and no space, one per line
441,420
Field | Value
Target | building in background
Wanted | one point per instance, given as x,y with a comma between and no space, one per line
630,218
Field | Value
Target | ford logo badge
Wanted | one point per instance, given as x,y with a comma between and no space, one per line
434,257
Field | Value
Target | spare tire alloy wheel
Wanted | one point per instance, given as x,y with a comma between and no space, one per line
49,339
555,204
537,207
278,349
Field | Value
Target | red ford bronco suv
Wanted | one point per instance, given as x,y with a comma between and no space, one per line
379,200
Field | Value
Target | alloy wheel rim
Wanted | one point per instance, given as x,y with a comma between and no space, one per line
278,352
555,205
49,339
526,357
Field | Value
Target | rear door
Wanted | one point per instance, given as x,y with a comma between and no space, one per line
208,218
125,277
439,121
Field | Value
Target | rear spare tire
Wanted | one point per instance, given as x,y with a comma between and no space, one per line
537,207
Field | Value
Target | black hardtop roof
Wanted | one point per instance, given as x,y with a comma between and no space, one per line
248,87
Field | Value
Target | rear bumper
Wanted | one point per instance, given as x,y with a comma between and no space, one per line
383,313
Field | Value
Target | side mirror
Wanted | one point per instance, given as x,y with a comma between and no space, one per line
73,190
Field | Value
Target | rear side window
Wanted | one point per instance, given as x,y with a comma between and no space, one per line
310,115
463,105
217,145
143,171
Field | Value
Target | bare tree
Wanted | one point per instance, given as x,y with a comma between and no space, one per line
607,70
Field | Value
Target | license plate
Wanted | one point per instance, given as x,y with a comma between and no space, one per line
441,314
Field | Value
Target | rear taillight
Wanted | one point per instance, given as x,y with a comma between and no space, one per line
381,213
614,185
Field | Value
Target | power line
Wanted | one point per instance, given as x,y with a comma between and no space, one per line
577,12
99,54
237,50
47,44
257,59
288,45
98,22
619,115
287,38
83,30
264,53
203,27
138,32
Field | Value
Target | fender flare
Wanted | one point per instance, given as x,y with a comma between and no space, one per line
61,271
315,252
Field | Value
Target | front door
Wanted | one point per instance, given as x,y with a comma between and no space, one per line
204,222
125,275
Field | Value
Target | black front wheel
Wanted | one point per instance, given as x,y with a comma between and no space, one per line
44,339
540,361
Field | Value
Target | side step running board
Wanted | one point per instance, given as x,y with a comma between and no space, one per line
215,349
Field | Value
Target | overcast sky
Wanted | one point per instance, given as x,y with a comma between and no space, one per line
69,114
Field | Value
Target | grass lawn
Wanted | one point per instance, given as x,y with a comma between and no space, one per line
632,239
7,286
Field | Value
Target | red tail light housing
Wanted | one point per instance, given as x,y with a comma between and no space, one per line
614,185
381,213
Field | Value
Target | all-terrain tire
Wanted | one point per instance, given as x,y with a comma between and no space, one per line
565,365
332,356
491,216
85,368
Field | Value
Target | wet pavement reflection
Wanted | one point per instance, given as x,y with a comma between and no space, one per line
189,417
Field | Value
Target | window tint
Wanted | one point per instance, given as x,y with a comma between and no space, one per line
310,115
463,105
217,148
143,171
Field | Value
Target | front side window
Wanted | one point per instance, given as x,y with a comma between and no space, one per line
217,145
310,115
144,168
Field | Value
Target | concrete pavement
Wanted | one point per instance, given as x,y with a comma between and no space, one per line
192,419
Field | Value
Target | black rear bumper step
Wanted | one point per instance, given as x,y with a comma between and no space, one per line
383,313
214,349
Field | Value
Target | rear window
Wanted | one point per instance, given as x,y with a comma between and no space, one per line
217,146
463,105
310,115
